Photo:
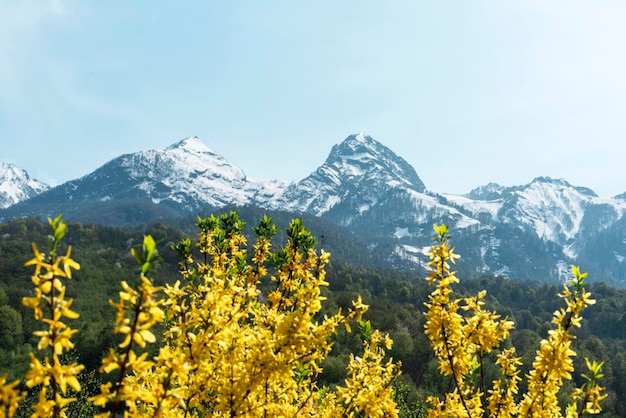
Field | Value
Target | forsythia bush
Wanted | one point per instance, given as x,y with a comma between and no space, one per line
227,349
241,335
462,335
50,306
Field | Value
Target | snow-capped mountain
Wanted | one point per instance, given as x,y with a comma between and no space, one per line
542,228
187,175
16,185
360,168
551,209
183,178
362,179
532,231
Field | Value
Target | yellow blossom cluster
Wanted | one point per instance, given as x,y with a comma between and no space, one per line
10,397
232,350
50,306
367,390
137,311
586,399
242,336
554,363
461,333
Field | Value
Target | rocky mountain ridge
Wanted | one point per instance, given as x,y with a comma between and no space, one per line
533,231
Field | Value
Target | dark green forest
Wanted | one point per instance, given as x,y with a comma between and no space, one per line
396,299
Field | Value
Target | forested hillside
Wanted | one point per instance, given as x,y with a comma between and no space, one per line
396,300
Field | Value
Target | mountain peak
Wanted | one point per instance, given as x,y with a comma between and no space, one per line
490,191
358,169
191,144
361,137
361,156
16,185
563,183
357,141
550,180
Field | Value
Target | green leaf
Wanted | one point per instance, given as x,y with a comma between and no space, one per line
59,231
149,247
266,228
183,248
365,328
149,253
442,232
138,256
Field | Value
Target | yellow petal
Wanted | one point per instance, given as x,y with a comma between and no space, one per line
147,335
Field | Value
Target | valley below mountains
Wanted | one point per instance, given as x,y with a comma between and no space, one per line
528,232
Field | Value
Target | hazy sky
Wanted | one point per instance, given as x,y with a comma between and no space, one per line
467,92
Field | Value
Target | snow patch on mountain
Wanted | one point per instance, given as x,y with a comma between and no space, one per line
264,192
553,208
428,207
401,232
477,207
415,255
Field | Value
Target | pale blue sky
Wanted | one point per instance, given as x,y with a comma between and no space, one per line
466,91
